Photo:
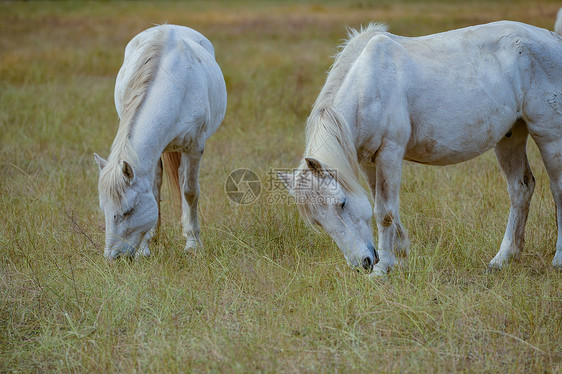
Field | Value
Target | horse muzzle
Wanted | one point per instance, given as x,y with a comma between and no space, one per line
120,250
368,261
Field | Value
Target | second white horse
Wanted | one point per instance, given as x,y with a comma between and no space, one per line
438,99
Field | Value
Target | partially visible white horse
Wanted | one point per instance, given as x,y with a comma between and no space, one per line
558,23
170,95
438,99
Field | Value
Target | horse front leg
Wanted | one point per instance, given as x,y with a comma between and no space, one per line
511,153
393,239
189,187
152,235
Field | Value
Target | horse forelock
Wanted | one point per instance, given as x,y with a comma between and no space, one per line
304,198
328,139
310,200
112,184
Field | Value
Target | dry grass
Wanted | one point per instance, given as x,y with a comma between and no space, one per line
268,294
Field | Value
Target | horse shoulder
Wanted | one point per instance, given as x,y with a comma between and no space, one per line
382,71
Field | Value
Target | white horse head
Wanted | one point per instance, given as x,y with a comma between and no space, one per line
129,206
344,214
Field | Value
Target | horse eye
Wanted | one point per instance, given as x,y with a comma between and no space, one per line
342,205
127,213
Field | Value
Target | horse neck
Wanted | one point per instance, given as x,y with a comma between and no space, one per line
350,50
130,144
141,149
329,136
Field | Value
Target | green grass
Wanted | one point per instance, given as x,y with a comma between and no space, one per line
268,294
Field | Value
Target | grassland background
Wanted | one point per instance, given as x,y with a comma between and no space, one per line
268,294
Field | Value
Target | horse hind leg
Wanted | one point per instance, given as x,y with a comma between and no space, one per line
189,186
511,153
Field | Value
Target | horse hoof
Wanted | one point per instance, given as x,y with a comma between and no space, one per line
193,246
142,252
378,272
493,268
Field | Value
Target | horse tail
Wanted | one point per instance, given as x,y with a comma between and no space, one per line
171,161
558,23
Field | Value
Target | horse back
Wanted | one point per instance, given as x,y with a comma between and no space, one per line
187,82
454,94
137,48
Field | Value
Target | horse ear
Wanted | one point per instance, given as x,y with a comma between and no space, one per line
318,169
128,172
288,180
314,165
100,161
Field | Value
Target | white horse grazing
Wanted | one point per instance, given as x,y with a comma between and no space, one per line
438,100
170,95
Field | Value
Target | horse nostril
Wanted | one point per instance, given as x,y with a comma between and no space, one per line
375,254
367,264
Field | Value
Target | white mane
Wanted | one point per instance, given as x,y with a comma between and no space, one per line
344,59
112,181
328,136
558,23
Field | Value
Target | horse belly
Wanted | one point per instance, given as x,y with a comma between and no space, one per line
461,124
445,145
433,152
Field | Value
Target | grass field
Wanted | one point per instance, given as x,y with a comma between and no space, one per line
268,294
